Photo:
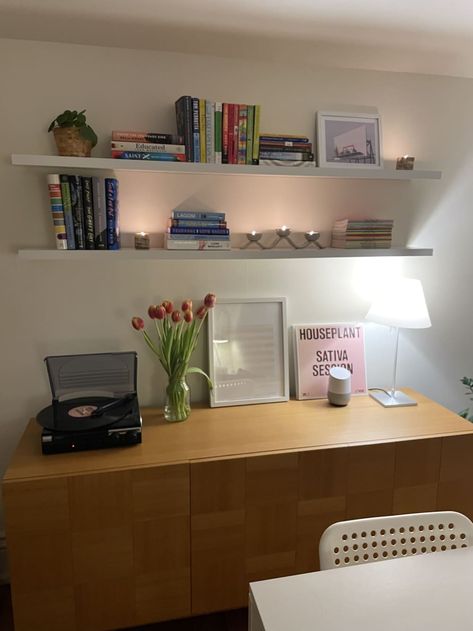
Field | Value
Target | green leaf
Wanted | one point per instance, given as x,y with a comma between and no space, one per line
80,120
464,413
51,127
88,133
199,371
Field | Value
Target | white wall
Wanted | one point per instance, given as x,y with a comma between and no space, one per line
50,307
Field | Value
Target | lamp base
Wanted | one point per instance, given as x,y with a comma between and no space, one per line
398,400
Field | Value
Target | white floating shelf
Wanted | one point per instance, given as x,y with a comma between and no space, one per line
110,164
128,254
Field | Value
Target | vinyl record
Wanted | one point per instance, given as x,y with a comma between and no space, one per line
75,415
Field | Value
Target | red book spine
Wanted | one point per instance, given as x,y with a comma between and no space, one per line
225,108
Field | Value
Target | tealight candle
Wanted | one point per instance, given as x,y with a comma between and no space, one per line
142,241
253,237
283,231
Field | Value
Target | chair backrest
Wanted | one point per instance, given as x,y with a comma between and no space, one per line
380,538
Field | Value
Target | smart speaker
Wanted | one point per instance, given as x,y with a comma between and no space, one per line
339,386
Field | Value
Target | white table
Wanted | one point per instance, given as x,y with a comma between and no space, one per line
429,592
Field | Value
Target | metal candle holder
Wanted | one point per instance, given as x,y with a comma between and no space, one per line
253,237
312,239
283,234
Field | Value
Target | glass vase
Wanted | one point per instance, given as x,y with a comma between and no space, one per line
177,406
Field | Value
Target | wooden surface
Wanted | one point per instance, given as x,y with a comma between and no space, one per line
430,591
223,433
181,524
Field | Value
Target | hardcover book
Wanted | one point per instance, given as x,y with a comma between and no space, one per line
100,216
67,206
88,203
319,347
111,206
57,211
147,136
75,187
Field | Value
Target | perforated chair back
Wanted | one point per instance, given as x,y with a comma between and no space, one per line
379,538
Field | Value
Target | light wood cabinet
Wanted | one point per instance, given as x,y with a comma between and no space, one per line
179,525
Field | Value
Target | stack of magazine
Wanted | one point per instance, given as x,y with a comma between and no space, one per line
197,230
362,233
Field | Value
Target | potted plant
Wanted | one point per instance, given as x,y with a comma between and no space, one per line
73,136
468,382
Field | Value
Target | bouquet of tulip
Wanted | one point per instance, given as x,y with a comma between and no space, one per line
177,334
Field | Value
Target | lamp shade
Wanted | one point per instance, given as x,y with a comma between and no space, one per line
400,304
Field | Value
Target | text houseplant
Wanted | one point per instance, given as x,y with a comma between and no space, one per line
177,334
73,136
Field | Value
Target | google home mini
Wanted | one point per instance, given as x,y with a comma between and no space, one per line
339,386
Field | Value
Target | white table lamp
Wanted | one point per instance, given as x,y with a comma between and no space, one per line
400,305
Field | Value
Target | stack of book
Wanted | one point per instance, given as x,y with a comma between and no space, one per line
218,133
285,150
362,233
147,145
197,230
84,212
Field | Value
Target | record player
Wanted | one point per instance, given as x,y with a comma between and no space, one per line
94,405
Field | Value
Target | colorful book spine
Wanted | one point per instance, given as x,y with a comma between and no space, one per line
100,216
218,133
195,129
283,138
112,214
210,131
225,111
199,215
281,155
291,146
249,134
196,223
67,207
138,155
88,205
147,136
203,151
282,147
242,127
183,107
75,186
151,147
256,136
57,211
236,127
201,244
231,127
196,231
197,237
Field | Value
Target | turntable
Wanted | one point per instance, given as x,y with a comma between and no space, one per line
94,405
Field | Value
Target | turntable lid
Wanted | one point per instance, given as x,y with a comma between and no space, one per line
109,374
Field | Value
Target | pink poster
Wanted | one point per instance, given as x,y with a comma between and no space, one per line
318,347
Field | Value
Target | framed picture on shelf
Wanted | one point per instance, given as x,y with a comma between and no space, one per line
319,347
349,140
248,356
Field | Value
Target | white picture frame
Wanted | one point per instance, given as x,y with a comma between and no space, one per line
349,140
248,351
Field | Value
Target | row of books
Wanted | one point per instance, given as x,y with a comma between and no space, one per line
284,150
84,212
136,145
197,230
219,133
362,233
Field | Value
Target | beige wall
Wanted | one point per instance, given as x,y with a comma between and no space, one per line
51,307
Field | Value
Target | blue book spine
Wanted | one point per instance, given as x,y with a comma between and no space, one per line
111,206
75,186
196,129
138,155
198,237
67,206
204,230
191,214
198,223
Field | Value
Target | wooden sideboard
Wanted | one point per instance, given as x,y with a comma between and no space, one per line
179,525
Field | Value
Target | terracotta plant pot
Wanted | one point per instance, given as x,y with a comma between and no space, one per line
70,143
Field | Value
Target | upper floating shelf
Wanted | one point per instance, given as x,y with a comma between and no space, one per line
110,164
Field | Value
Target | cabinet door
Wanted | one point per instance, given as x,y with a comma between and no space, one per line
101,551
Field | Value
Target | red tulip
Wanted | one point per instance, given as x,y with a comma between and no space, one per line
160,313
137,323
210,300
152,311
187,305
176,316
201,312
167,304
188,316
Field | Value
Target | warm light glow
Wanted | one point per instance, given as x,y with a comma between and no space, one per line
253,232
400,304
283,227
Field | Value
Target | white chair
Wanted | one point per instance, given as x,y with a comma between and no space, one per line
379,538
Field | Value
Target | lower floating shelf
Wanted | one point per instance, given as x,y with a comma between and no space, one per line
128,254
